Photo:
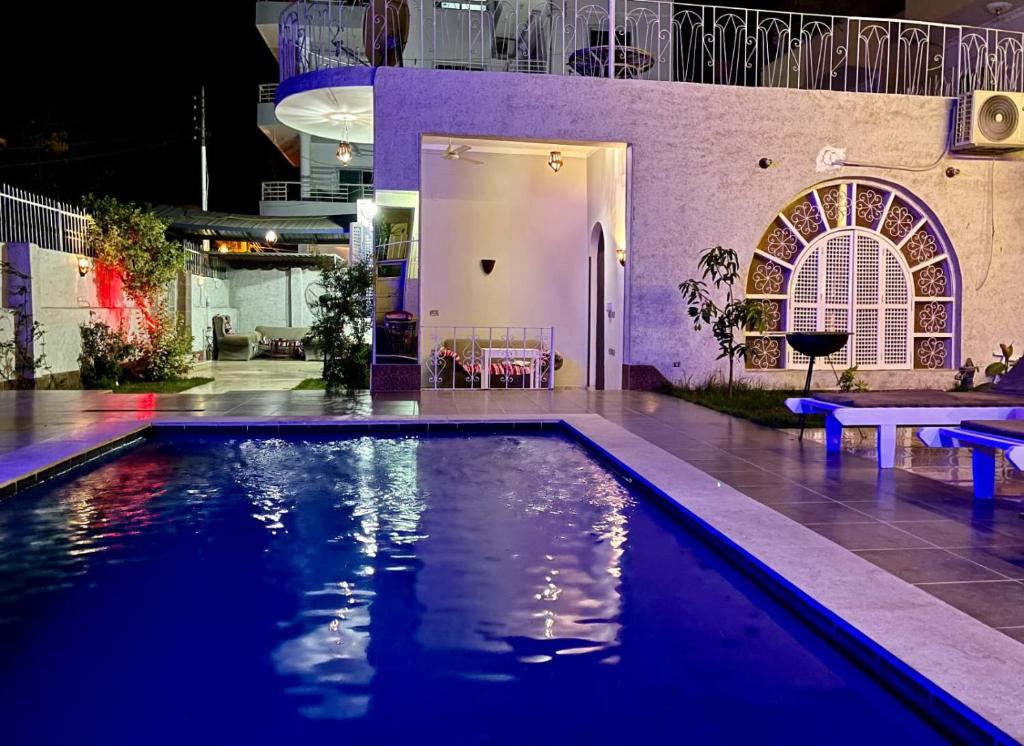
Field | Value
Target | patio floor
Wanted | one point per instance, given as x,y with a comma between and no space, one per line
929,533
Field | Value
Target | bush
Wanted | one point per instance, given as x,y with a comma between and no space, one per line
105,351
110,356
342,322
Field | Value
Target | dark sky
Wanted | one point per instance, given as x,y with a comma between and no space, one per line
98,97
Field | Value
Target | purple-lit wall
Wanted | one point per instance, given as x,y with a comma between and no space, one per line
695,182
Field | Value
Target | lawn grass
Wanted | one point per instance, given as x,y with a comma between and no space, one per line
173,386
752,402
311,384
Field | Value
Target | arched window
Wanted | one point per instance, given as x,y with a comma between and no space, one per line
856,256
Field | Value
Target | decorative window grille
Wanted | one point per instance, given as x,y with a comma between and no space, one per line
865,289
858,256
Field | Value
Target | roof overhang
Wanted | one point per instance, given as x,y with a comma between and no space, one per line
194,223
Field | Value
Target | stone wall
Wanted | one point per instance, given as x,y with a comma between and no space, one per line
695,182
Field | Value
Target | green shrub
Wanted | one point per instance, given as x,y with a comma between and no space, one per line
105,352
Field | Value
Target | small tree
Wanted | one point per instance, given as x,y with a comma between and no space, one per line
342,324
721,267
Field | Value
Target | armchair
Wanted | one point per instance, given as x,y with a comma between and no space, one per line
227,346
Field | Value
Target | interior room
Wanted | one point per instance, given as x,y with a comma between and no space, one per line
537,262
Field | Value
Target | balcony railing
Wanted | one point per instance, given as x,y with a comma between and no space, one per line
658,40
488,357
267,93
280,191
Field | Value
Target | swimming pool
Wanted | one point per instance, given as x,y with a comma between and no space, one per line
500,588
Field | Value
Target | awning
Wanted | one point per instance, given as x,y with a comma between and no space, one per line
191,222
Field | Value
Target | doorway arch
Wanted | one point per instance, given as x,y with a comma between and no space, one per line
597,249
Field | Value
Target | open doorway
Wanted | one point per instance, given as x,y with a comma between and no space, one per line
505,243
597,241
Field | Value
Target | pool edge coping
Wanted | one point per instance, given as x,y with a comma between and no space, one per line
726,516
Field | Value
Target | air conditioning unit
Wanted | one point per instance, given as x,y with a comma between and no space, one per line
989,122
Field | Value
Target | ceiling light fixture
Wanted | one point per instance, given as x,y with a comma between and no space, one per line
555,160
271,237
344,152
998,9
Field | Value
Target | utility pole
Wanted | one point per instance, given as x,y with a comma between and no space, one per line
199,118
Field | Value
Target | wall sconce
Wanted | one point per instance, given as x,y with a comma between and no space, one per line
487,265
555,160
620,254
271,237
84,265
765,163
952,171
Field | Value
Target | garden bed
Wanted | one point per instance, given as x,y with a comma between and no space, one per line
755,403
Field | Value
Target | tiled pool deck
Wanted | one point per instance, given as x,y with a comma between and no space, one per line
926,532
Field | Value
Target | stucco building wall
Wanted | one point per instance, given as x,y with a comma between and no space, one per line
695,182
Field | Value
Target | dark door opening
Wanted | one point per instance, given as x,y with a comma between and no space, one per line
599,343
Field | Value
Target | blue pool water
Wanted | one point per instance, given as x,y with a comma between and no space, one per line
444,590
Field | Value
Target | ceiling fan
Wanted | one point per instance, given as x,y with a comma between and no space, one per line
452,153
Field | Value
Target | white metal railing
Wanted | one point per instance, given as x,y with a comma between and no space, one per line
267,93
488,357
31,218
314,191
657,40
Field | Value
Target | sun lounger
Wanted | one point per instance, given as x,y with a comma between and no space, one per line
984,438
887,410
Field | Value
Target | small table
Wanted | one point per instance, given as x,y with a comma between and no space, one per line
630,62
521,354
281,348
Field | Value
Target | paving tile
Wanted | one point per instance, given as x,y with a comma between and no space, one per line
998,603
1008,561
928,565
862,536
949,533
821,512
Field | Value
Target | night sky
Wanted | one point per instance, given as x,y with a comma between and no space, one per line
97,97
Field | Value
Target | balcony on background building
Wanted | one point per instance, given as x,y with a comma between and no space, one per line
319,194
662,41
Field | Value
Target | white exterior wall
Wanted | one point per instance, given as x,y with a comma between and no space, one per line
533,222
270,297
695,183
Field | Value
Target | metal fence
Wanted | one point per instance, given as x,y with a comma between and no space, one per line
267,93
197,262
489,357
656,40
31,218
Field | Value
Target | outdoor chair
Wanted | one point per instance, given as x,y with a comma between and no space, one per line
984,438
228,346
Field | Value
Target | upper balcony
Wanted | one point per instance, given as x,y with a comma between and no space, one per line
654,40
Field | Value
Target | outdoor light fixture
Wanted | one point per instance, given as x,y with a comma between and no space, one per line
83,266
555,160
620,254
223,249
487,265
271,237
344,153
765,163
952,171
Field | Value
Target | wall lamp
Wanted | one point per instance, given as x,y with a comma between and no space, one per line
620,254
555,160
765,163
271,237
952,171
84,265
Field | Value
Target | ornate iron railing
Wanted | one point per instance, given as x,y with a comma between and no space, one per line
31,218
656,40
488,357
